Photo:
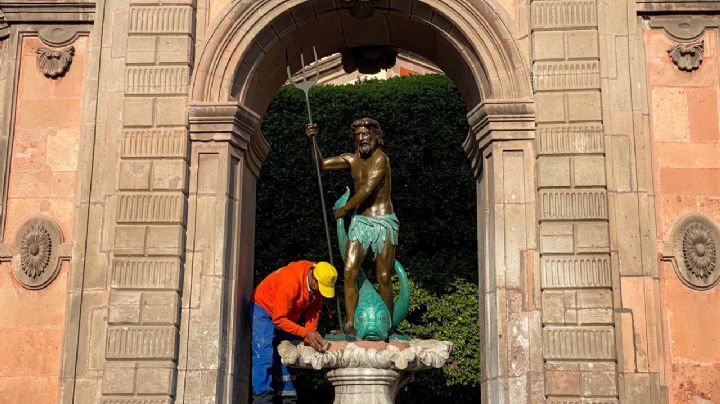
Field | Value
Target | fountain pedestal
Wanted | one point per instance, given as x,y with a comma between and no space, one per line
368,372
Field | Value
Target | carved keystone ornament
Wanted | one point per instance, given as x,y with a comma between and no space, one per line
696,243
360,8
37,245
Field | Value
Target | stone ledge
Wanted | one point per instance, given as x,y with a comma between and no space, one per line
48,11
675,7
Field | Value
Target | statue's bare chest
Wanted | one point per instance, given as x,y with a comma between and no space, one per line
360,170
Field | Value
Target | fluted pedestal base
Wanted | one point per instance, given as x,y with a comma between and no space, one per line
365,385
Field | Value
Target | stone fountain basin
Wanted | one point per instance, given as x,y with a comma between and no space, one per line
368,372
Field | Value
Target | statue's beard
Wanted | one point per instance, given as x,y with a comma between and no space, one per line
365,149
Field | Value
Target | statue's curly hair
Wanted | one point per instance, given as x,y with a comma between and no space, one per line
372,125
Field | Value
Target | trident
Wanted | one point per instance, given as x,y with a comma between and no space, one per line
305,86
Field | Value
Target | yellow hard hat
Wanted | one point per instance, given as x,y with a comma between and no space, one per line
326,276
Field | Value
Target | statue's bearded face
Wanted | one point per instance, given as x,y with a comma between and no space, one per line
366,140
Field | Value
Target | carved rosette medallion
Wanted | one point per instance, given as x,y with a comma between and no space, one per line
35,250
696,242
55,63
687,57
36,262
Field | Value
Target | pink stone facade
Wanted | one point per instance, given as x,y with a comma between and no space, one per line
42,181
686,156
133,127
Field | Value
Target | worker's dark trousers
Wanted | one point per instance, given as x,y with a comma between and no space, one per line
266,361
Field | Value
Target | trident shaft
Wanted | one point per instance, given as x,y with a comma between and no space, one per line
305,85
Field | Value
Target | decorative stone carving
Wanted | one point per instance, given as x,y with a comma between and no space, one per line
683,28
55,63
35,250
57,36
696,242
4,27
687,57
417,355
360,8
699,251
37,243
368,59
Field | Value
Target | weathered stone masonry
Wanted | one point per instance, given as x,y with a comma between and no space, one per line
144,304
578,336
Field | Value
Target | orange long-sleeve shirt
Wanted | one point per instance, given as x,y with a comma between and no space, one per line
285,295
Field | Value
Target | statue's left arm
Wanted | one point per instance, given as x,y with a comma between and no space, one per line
375,177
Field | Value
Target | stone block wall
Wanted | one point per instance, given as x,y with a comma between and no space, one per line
578,334
141,344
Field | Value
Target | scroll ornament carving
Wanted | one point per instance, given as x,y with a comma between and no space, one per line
4,27
55,63
699,251
36,261
687,57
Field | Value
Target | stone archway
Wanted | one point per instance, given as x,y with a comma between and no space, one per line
236,76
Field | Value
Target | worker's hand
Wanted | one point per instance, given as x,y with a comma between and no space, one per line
311,130
339,213
313,339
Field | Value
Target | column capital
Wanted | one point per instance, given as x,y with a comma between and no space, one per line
496,120
231,123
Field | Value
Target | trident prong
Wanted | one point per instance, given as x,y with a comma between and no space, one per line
305,86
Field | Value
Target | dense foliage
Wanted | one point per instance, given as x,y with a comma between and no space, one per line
424,125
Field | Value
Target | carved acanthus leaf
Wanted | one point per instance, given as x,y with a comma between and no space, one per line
687,57
55,63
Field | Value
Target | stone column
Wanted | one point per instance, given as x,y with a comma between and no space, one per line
141,344
226,152
577,280
500,147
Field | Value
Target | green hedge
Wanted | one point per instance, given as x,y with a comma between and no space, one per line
424,124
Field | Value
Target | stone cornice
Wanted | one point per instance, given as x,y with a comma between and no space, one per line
677,7
684,28
30,11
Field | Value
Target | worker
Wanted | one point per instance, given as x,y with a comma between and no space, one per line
278,303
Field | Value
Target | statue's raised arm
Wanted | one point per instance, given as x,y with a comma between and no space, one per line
333,163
